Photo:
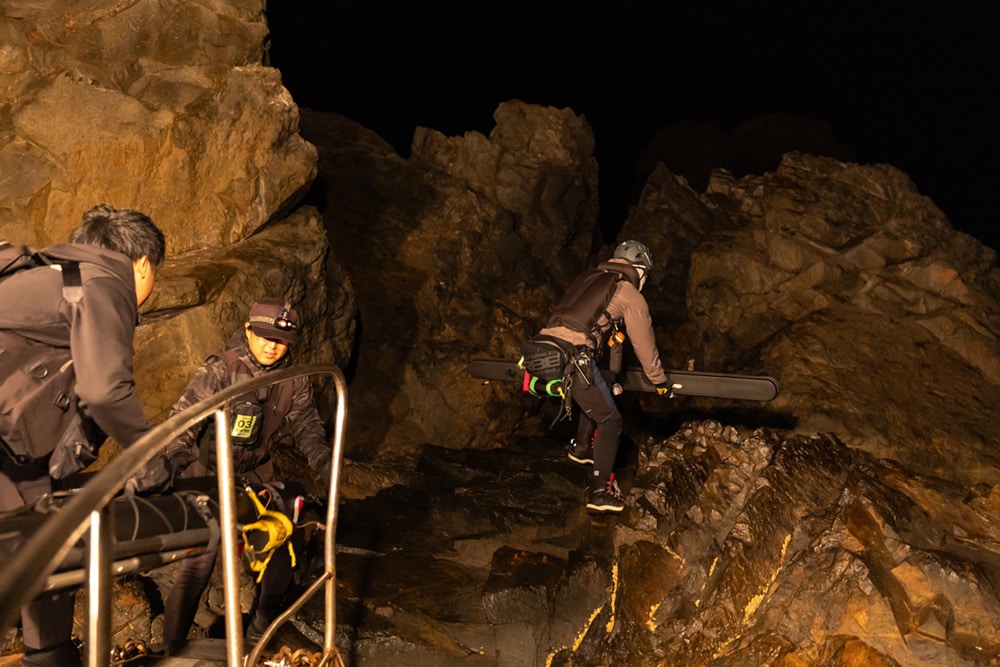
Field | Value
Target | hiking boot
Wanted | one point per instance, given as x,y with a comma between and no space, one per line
63,654
256,629
608,499
581,453
174,647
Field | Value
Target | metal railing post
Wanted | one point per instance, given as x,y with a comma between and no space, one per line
330,542
100,543
34,564
329,578
227,523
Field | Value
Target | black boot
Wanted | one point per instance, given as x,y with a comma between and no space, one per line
256,628
63,654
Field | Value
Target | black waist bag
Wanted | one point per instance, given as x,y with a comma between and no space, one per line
546,357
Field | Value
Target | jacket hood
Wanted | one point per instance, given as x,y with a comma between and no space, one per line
115,262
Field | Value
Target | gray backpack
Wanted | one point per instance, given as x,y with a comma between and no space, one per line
38,406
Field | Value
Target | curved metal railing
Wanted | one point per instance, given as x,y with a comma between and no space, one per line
86,513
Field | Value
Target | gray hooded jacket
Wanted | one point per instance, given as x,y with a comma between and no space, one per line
99,331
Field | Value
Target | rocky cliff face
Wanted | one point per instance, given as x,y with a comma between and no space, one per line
851,521
132,103
879,318
829,526
168,109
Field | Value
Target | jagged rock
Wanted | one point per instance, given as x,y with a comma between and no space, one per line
765,548
442,268
142,107
820,549
854,291
538,163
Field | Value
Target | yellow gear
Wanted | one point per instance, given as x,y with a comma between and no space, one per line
278,529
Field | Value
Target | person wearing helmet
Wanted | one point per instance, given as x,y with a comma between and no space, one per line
597,304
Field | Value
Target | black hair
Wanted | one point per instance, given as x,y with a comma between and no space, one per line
122,230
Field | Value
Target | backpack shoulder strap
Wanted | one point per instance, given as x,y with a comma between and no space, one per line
278,404
232,359
72,282
15,258
626,271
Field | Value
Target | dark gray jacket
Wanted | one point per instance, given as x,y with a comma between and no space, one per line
302,420
99,332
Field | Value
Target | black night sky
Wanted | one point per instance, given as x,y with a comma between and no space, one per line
913,83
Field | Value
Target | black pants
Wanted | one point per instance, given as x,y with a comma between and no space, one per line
597,410
46,621
182,602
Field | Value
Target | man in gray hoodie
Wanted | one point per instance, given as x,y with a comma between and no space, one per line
118,253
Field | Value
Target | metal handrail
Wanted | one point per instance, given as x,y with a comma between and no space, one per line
26,572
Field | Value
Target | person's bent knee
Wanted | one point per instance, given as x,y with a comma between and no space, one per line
610,421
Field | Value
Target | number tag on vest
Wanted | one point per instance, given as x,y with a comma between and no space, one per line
248,418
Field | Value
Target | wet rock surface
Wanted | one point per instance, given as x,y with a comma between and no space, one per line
737,548
827,527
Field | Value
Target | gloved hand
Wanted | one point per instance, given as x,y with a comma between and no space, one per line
325,471
156,477
667,388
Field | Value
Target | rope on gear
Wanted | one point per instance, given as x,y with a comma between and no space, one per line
276,526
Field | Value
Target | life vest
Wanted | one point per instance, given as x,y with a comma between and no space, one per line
587,298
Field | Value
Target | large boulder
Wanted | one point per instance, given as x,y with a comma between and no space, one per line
456,253
160,107
878,318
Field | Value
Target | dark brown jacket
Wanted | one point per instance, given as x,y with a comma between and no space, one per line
629,306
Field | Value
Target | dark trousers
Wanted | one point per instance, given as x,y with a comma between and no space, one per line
46,621
593,397
182,601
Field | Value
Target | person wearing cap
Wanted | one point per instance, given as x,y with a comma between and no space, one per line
260,346
573,321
